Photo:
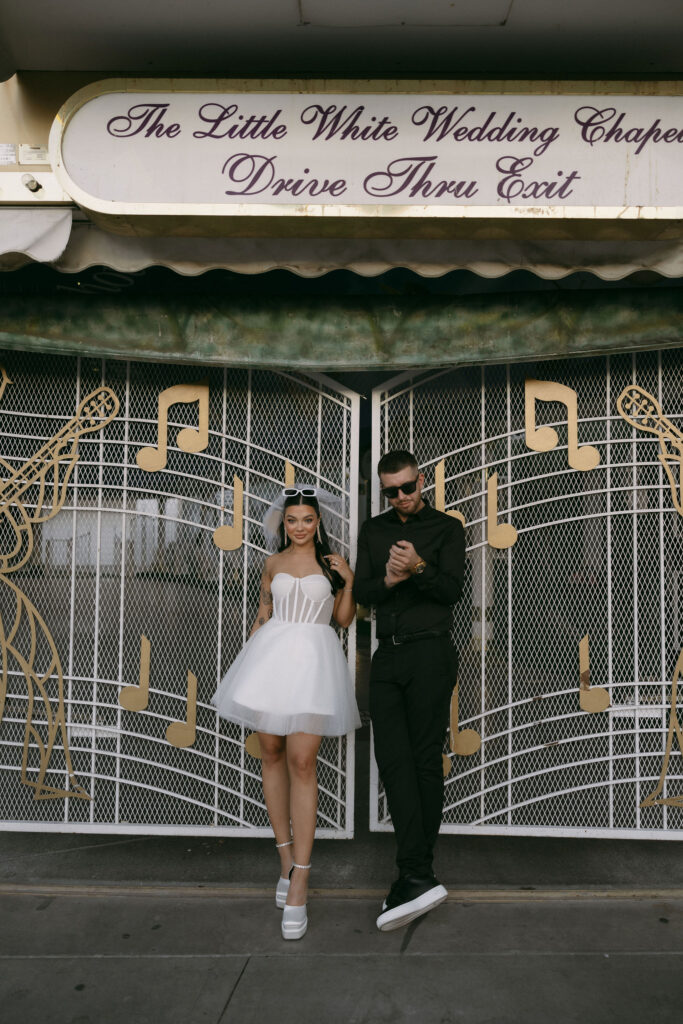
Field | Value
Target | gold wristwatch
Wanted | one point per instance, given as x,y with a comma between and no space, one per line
419,567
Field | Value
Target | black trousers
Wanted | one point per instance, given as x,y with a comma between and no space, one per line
410,692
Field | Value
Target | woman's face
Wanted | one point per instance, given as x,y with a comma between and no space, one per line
300,522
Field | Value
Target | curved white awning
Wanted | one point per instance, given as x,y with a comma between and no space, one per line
48,236
90,246
28,234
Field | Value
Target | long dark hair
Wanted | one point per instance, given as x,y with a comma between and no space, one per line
322,545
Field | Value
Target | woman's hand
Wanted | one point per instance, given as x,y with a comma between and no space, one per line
344,605
339,564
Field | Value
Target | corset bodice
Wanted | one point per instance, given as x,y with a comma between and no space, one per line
302,599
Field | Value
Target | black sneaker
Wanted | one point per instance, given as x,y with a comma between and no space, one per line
409,898
390,899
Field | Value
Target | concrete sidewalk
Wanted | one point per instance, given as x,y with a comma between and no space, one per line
107,929
108,954
366,862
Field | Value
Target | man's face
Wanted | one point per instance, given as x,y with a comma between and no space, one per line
405,504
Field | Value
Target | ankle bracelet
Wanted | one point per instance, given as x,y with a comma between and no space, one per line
301,867
290,842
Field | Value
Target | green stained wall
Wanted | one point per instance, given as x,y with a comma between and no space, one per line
343,332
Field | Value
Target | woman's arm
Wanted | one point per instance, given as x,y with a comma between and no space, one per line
265,608
344,604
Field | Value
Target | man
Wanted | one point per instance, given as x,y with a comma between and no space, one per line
410,566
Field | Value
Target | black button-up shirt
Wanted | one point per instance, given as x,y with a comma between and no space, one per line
424,601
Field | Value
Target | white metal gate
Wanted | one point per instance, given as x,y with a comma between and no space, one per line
130,560
571,626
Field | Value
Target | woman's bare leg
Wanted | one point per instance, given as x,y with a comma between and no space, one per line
302,752
276,792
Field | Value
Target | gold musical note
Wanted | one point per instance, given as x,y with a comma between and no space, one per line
190,439
543,439
182,734
447,765
674,730
498,535
440,492
226,537
136,698
252,745
290,475
4,380
642,411
591,698
464,742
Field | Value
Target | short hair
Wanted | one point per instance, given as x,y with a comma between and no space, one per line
395,461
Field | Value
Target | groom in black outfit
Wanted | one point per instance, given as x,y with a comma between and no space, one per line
410,566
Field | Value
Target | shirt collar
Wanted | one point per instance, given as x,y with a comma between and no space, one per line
419,516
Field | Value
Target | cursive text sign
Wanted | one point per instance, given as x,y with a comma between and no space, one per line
123,151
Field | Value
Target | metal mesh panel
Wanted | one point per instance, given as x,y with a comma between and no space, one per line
599,552
123,553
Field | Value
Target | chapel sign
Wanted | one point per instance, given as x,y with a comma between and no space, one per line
127,151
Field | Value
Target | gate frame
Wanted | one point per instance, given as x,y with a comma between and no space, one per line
416,377
347,766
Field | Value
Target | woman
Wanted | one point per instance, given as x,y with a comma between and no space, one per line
291,683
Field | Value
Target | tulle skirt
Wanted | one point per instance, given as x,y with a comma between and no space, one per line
290,677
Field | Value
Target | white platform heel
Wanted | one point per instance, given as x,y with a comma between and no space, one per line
282,887
295,919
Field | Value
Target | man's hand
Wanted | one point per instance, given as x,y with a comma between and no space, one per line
393,576
402,558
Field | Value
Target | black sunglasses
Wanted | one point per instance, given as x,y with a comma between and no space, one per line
407,488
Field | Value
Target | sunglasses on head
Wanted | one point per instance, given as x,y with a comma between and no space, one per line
407,488
290,492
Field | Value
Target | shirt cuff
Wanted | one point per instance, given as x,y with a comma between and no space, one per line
425,579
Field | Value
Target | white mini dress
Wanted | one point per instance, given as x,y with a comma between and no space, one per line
292,674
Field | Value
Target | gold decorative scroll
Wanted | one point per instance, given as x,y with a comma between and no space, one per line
38,738
655,798
41,482
544,439
642,411
31,494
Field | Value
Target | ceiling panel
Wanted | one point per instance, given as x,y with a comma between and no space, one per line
389,13
356,38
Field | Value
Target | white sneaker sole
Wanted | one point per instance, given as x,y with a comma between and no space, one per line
407,912
384,903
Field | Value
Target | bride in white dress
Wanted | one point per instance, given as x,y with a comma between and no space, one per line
291,683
